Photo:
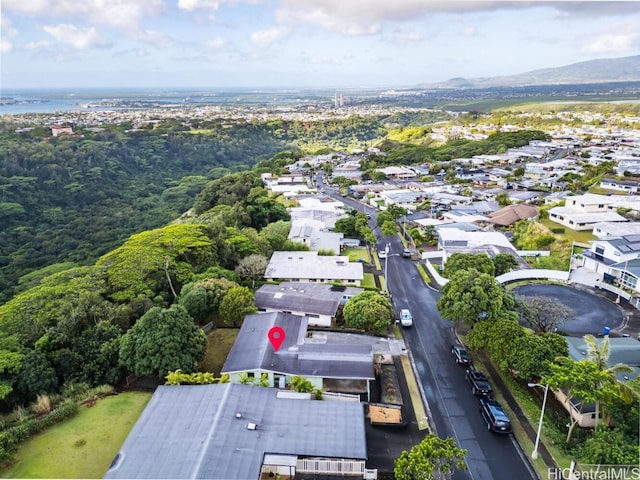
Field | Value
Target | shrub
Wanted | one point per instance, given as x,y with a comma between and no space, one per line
42,405
11,438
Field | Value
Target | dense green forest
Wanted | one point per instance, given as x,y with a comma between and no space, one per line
71,199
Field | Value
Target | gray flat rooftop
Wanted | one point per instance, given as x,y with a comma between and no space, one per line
203,431
252,351
319,298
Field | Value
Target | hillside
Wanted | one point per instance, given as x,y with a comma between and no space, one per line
605,70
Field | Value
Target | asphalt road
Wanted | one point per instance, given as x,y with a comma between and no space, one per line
454,410
593,313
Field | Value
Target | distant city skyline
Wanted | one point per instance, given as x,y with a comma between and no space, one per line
300,43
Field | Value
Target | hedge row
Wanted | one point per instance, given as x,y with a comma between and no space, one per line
11,438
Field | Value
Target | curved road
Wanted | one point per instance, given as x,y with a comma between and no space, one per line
454,410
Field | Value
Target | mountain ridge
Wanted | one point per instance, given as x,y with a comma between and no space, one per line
602,70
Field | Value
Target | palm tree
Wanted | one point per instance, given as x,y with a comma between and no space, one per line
598,353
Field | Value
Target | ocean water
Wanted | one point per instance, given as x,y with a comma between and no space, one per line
21,101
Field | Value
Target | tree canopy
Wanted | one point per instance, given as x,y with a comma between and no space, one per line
542,314
465,261
471,297
368,311
433,458
161,341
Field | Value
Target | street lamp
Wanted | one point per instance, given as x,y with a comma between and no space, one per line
534,454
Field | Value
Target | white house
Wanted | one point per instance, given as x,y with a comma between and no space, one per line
319,302
616,229
310,267
616,260
315,235
332,367
455,240
626,186
582,212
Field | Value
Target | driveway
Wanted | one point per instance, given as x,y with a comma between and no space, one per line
593,312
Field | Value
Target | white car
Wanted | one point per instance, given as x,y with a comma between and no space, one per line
406,320
382,254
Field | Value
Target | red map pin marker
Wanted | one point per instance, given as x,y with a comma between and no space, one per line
276,337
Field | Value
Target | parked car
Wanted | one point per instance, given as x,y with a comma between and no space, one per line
479,382
406,253
493,414
406,320
460,355
382,254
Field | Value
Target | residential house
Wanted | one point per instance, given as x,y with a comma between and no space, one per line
398,173
616,260
402,198
461,216
511,214
454,240
626,186
332,367
310,267
445,201
557,197
288,185
582,212
522,196
58,130
349,169
239,432
319,302
621,350
320,208
315,235
628,164
616,229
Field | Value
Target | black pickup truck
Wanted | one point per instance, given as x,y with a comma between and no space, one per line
479,382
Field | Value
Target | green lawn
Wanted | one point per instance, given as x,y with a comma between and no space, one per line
571,235
83,446
220,342
356,254
369,280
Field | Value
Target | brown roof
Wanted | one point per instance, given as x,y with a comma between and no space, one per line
512,213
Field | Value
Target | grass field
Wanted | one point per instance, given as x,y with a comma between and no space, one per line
369,280
83,446
571,235
356,254
220,342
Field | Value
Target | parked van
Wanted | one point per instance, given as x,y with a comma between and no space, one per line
406,320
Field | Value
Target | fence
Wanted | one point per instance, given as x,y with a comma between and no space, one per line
340,397
533,274
330,466
208,327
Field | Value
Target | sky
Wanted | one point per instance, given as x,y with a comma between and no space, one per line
300,43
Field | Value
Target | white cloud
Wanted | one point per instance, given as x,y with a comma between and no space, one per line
8,31
407,37
214,44
366,17
191,5
153,37
614,39
78,38
126,14
469,32
266,38
613,43
42,44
